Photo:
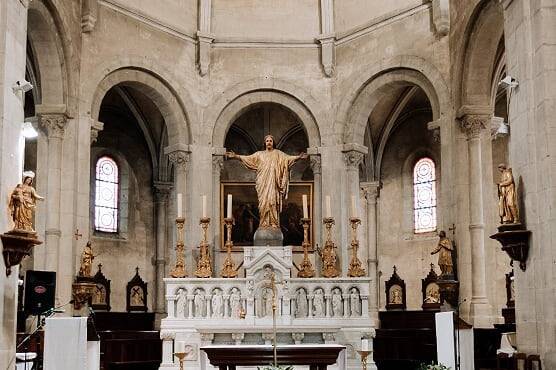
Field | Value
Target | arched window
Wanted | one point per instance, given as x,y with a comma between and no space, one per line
106,195
424,195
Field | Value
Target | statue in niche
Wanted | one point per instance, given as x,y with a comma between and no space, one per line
318,303
217,303
432,294
337,303
267,299
396,295
199,301
507,198
272,181
181,303
301,303
235,303
444,250
87,258
22,203
137,296
100,295
354,302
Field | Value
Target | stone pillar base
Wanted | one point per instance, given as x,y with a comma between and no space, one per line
481,313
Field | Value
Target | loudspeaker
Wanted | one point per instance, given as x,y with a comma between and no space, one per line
40,291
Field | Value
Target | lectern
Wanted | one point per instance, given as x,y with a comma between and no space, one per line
70,345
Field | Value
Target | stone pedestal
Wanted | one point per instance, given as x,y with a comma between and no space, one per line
515,242
268,236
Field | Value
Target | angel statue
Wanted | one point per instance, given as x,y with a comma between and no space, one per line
22,202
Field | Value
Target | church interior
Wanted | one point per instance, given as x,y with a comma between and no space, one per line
343,184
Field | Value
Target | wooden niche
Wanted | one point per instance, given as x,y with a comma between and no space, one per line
136,294
100,300
431,291
395,292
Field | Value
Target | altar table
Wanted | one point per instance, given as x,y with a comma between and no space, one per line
317,357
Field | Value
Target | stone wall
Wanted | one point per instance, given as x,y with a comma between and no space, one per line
13,27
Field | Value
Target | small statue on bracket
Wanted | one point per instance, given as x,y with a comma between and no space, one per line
507,198
22,204
87,258
444,250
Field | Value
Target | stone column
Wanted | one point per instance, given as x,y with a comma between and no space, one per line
371,192
217,165
190,298
161,192
13,28
353,155
167,349
54,124
530,39
178,155
346,305
317,209
473,124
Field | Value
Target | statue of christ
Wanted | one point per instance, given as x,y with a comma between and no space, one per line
273,177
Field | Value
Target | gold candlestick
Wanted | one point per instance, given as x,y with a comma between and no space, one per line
181,358
355,269
229,269
364,355
179,270
328,254
204,264
307,270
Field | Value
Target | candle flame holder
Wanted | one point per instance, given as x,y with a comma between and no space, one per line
328,253
204,264
355,266
179,269
307,270
364,355
229,269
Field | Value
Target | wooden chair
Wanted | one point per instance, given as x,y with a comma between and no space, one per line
532,359
520,360
505,362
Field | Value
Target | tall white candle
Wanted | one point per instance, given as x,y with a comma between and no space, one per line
229,210
305,210
353,207
179,347
204,198
364,344
328,209
180,210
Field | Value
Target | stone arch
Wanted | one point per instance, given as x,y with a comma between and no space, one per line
241,97
480,55
375,81
49,44
155,88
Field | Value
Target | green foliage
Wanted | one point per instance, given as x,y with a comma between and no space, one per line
277,367
432,366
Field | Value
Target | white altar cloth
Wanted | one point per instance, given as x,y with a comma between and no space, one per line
66,346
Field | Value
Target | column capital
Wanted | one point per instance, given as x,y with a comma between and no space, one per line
54,124
96,127
473,119
178,155
167,335
353,159
473,124
217,163
315,163
370,190
161,190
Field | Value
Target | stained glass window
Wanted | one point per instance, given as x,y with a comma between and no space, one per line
106,195
424,195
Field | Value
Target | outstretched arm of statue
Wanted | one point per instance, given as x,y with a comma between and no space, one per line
437,249
231,155
36,196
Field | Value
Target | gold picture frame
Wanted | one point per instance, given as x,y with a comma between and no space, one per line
245,213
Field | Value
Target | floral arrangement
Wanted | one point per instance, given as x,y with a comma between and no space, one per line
432,366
